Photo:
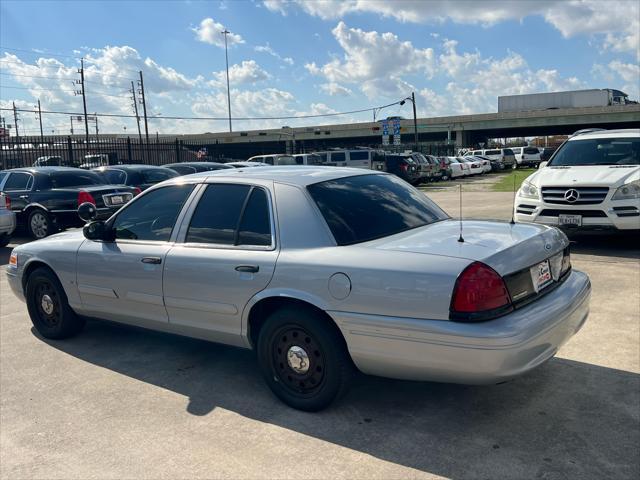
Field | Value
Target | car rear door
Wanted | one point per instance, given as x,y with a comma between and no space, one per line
122,279
225,254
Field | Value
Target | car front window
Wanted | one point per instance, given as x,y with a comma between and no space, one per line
366,207
600,151
153,215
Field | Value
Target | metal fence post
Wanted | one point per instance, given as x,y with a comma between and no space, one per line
129,156
70,150
177,151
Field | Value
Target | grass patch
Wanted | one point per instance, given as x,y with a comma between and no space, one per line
505,184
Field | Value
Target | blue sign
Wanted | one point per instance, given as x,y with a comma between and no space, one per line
396,126
385,127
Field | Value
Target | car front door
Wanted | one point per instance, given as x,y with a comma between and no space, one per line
225,254
122,279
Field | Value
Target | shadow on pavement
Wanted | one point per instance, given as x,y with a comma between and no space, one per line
620,244
565,420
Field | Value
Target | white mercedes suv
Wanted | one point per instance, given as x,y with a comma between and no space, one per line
591,182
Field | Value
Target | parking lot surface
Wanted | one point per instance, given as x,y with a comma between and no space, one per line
119,402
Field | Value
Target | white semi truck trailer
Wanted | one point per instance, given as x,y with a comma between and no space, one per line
570,99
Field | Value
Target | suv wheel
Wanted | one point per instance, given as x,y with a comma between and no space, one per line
39,224
303,359
48,307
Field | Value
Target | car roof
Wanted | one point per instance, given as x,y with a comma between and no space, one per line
46,170
619,133
195,164
295,175
127,167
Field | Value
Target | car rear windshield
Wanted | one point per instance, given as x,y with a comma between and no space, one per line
492,152
366,207
75,179
531,151
599,151
157,175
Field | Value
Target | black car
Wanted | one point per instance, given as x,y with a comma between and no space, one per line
194,167
137,176
403,166
46,199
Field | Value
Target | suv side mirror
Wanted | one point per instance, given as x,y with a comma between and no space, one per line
542,164
87,212
97,231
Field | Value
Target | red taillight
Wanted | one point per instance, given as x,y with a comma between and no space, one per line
404,167
480,294
7,202
137,191
84,197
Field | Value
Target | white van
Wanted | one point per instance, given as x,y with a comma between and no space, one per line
307,159
357,158
274,159
526,156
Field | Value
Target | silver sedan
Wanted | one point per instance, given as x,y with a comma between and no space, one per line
322,271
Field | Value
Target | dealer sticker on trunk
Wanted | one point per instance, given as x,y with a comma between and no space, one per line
541,275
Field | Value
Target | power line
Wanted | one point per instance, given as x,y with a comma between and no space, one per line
102,94
163,117
36,52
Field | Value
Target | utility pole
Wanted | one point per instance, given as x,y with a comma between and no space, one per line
15,119
40,118
226,56
415,119
84,101
135,110
144,108
95,115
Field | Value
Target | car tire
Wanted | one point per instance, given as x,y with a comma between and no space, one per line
48,306
5,238
39,224
304,358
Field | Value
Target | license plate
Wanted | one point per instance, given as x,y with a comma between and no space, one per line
117,199
541,275
570,220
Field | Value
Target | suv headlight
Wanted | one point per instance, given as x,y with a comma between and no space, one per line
528,190
628,191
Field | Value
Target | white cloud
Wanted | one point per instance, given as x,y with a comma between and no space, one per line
333,88
247,72
270,51
209,31
371,59
617,22
620,75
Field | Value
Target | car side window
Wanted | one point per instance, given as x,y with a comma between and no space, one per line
153,215
229,214
17,181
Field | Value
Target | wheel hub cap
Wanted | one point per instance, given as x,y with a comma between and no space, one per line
298,359
47,304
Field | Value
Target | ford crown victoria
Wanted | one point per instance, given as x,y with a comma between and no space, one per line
321,271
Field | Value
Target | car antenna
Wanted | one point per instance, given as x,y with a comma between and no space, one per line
460,239
513,210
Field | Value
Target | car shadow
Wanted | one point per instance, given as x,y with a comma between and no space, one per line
567,419
621,244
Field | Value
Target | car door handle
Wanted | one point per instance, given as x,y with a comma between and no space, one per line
24,196
248,268
152,260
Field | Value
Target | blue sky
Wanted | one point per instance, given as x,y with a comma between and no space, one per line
291,58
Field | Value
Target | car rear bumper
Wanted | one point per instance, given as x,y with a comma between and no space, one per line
469,353
7,222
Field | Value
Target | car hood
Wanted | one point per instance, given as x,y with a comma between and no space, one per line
588,175
503,246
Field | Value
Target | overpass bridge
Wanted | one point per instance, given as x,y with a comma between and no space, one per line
459,130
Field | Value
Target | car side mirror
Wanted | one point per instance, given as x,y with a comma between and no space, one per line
97,231
87,212
542,164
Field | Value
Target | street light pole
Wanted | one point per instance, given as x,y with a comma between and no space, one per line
415,119
226,56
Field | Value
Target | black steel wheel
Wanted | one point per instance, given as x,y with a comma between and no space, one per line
304,358
48,307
